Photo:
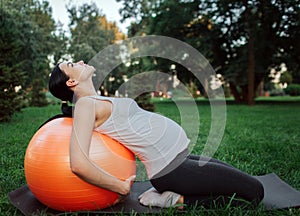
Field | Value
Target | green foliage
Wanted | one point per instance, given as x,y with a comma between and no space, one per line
141,81
139,88
38,96
89,33
167,18
144,101
36,33
221,29
12,75
293,90
26,42
12,100
286,77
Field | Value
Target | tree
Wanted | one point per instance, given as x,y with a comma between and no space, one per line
240,38
11,73
90,32
289,51
61,40
27,41
36,33
177,19
253,33
249,23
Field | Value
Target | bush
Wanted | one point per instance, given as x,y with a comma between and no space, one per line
277,92
12,75
293,90
11,99
38,97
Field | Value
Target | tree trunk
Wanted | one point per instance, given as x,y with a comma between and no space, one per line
235,92
251,55
245,94
251,71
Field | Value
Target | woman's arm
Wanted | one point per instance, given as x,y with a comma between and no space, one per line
81,165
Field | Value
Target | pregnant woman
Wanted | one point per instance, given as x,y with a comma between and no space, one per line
161,144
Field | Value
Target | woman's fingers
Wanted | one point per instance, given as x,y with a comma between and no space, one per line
131,178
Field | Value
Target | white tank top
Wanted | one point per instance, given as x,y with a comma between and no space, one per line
153,138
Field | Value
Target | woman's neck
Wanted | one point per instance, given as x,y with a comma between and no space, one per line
84,89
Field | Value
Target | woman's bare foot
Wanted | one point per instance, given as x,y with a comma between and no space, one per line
180,202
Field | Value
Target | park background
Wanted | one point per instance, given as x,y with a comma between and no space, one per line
252,45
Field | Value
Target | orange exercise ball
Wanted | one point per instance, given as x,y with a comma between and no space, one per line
48,173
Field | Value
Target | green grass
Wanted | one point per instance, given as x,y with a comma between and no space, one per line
14,137
258,140
280,98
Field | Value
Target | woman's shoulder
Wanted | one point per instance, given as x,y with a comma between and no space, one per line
90,100
92,104
84,100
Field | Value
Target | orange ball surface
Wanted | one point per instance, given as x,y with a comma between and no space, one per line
48,173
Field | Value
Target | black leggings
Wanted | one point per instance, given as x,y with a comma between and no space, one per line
210,183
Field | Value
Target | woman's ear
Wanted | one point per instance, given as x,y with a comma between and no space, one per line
71,83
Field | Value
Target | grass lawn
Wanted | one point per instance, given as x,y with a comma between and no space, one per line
258,140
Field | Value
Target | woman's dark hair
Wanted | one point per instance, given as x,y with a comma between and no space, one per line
58,86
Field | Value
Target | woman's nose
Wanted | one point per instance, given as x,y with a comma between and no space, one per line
81,62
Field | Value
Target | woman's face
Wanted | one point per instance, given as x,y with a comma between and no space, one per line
77,71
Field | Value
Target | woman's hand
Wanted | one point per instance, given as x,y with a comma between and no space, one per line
125,189
126,185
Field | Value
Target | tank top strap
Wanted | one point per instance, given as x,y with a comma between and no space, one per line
103,98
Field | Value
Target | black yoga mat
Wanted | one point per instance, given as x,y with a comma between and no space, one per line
278,195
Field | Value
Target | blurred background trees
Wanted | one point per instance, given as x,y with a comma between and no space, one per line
242,39
90,32
26,40
31,42
247,42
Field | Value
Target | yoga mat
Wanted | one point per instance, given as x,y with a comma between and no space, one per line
278,195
